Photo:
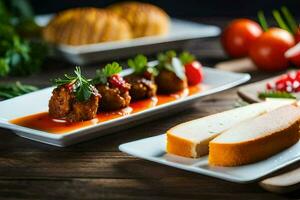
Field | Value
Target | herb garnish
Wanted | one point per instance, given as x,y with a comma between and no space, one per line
80,85
109,70
19,56
276,94
10,90
186,57
170,62
140,65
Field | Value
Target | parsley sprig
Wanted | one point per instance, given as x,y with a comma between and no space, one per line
276,94
186,57
171,62
103,74
139,64
81,86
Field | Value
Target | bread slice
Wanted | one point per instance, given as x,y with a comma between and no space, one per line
191,139
256,139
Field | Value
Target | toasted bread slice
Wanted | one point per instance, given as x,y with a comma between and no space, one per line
256,139
191,139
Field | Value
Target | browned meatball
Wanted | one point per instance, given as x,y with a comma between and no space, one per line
64,105
112,98
141,88
86,110
60,102
168,82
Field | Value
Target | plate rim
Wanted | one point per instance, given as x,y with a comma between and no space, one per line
222,176
244,77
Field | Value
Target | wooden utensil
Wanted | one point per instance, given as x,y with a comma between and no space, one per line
283,183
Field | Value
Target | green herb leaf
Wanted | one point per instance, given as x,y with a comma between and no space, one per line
82,87
170,62
10,90
138,64
109,70
185,57
276,94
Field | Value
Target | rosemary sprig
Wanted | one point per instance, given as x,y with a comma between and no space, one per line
10,90
80,85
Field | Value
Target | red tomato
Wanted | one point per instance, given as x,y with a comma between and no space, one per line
194,72
267,51
297,35
238,36
293,54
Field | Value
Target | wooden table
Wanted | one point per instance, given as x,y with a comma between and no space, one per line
98,170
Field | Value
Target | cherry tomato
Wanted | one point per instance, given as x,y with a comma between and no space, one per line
194,72
267,51
297,35
238,36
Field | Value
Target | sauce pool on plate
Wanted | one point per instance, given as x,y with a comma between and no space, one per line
42,121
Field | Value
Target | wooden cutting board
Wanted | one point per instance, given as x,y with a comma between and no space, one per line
249,93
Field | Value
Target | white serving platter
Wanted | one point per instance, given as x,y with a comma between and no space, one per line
36,102
180,32
153,149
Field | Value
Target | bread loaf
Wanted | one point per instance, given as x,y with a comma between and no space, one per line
144,19
81,26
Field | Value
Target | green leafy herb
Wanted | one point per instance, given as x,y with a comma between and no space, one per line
262,20
170,62
81,86
140,65
109,70
10,90
276,94
18,55
185,57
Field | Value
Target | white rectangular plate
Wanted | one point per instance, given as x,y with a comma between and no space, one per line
153,149
180,32
36,102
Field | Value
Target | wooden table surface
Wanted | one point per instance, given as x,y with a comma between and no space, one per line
98,170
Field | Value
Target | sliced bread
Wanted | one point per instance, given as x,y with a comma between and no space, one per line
256,139
191,139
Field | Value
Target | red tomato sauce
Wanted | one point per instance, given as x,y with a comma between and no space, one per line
42,121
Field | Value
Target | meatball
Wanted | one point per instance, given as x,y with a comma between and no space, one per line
60,102
168,82
141,88
63,104
86,110
113,98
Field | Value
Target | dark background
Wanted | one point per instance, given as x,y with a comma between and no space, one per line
183,9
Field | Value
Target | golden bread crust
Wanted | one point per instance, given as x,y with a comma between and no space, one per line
81,26
144,19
